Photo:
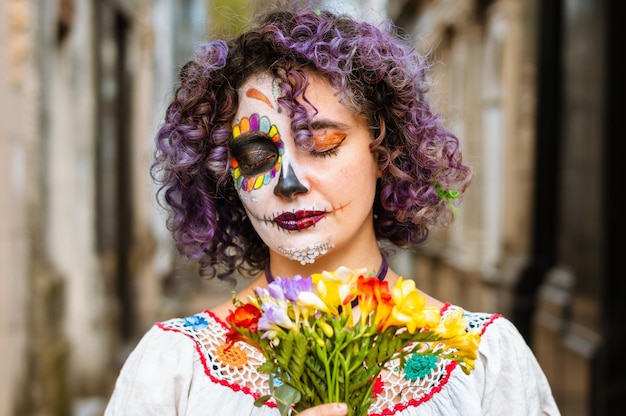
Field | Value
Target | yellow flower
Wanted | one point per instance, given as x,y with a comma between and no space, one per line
453,324
312,302
326,328
466,344
432,317
337,288
466,349
408,307
345,359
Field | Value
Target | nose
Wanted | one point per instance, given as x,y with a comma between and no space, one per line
288,184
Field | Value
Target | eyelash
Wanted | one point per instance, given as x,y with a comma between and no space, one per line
326,153
336,138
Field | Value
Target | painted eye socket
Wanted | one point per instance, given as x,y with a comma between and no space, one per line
254,154
256,146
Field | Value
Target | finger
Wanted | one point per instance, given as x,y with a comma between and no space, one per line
330,409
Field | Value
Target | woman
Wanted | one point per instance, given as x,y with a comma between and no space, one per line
303,145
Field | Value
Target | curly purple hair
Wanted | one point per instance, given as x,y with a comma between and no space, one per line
377,74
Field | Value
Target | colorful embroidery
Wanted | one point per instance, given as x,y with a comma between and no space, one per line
196,322
277,381
231,355
236,369
419,366
378,387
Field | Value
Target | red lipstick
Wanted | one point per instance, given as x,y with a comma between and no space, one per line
298,220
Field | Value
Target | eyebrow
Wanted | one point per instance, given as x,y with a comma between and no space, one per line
326,123
258,95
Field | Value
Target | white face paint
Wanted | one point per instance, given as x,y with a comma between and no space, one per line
303,203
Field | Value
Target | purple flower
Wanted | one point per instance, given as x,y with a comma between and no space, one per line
293,287
289,289
274,315
275,289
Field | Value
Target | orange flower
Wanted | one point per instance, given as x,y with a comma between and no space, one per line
373,295
366,288
245,316
394,322
384,309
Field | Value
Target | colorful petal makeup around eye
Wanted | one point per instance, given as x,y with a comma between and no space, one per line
256,124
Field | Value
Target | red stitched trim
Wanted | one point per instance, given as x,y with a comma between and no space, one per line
233,387
214,316
490,321
416,402
386,412
445,307
451,366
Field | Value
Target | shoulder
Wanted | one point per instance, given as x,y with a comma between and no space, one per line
494,327
191,324
500,338
156,373
507,370
182,364
172,347
167,345
499,335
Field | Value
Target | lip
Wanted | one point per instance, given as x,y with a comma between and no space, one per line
298,220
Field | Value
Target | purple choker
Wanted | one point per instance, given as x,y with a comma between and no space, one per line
382,273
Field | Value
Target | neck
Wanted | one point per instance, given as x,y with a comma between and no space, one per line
380,274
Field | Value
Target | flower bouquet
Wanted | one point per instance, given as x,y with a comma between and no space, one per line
318,349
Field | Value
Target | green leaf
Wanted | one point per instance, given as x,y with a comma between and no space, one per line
315,367
383,349
372,355
267,367
299,355
286,350
285,397
261,400
315,376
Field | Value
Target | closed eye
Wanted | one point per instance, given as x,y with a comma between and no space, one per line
327,143
254,153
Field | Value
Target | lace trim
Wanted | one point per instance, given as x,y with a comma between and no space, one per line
235,367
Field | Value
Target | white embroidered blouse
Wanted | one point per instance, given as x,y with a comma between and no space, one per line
181,367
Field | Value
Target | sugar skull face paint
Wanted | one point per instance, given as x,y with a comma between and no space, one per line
257,152
254,93
304,203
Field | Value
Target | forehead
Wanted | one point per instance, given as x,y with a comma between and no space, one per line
259,93
262,82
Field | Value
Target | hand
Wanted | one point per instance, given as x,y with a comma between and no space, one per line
330,409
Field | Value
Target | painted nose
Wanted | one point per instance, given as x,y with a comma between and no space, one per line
288,184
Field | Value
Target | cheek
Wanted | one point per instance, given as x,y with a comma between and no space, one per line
362,171
254,201
342,181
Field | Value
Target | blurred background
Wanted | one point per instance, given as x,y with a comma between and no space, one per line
86,266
